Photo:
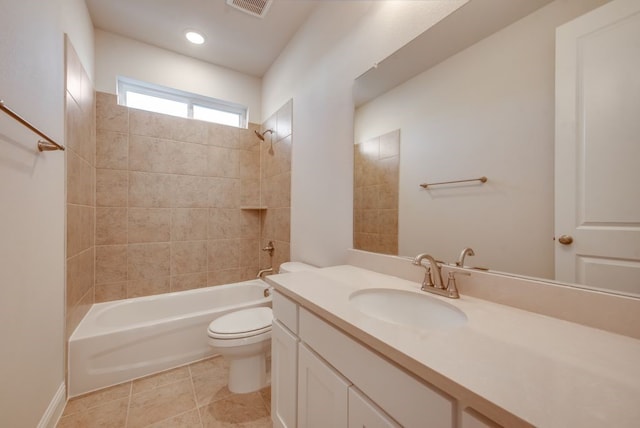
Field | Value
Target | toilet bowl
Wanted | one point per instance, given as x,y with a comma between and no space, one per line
243,338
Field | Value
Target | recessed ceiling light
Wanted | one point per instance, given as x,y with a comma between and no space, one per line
194,37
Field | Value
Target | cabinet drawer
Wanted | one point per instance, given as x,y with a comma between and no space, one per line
363,413
407,400
286,311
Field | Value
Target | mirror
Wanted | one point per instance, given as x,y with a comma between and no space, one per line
375,193
482,107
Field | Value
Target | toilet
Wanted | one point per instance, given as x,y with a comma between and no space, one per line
289,267
243,338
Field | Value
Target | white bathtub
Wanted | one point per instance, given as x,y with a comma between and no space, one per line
127,339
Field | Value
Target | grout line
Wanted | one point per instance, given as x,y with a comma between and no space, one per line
195,397
126,418
174,416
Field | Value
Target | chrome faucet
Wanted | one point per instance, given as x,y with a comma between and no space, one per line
432,282
465,252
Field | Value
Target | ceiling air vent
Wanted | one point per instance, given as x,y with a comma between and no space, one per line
257,8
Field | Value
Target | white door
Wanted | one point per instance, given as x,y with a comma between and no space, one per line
598,148
284,376
322,393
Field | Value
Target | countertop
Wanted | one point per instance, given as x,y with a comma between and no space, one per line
503,361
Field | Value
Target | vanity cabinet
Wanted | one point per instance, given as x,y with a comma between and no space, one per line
406,400
341,383
284,362
322,393
328,399
364,412
284,376
472,419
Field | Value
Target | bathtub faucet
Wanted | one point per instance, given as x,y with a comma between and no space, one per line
263,271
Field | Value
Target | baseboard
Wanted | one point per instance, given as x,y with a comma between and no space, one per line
55,408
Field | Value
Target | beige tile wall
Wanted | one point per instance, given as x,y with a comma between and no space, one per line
275,181
376,186
80,179
170,194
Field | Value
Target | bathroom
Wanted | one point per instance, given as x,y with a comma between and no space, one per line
318,88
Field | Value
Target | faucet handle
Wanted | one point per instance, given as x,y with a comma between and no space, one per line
427,282
452,288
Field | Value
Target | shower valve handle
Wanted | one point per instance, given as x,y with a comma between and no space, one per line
269,248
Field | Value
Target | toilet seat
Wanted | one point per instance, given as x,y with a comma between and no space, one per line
241,324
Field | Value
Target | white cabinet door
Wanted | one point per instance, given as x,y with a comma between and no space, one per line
406,400
363,413
322,393
284,376
598,148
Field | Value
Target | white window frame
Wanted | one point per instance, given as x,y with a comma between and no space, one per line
145,88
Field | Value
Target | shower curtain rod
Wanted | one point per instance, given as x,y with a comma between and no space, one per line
43,145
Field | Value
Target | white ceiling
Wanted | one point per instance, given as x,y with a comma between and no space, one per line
235,39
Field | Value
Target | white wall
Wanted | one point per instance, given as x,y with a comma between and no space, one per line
76,22
32,208
317,70
487,111
121,56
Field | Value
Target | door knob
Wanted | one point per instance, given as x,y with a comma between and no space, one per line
565,240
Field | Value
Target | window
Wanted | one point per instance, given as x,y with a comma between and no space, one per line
159,99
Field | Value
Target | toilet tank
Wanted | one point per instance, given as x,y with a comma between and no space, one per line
289,267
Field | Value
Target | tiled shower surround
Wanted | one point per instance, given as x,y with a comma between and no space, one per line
275,185
376,189
80,170
179,202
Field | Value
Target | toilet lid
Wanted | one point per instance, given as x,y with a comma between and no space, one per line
243,323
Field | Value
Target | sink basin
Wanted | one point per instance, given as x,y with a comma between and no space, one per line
407,308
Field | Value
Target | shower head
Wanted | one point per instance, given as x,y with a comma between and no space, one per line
261,136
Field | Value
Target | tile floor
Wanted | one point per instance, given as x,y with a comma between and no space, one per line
191,396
